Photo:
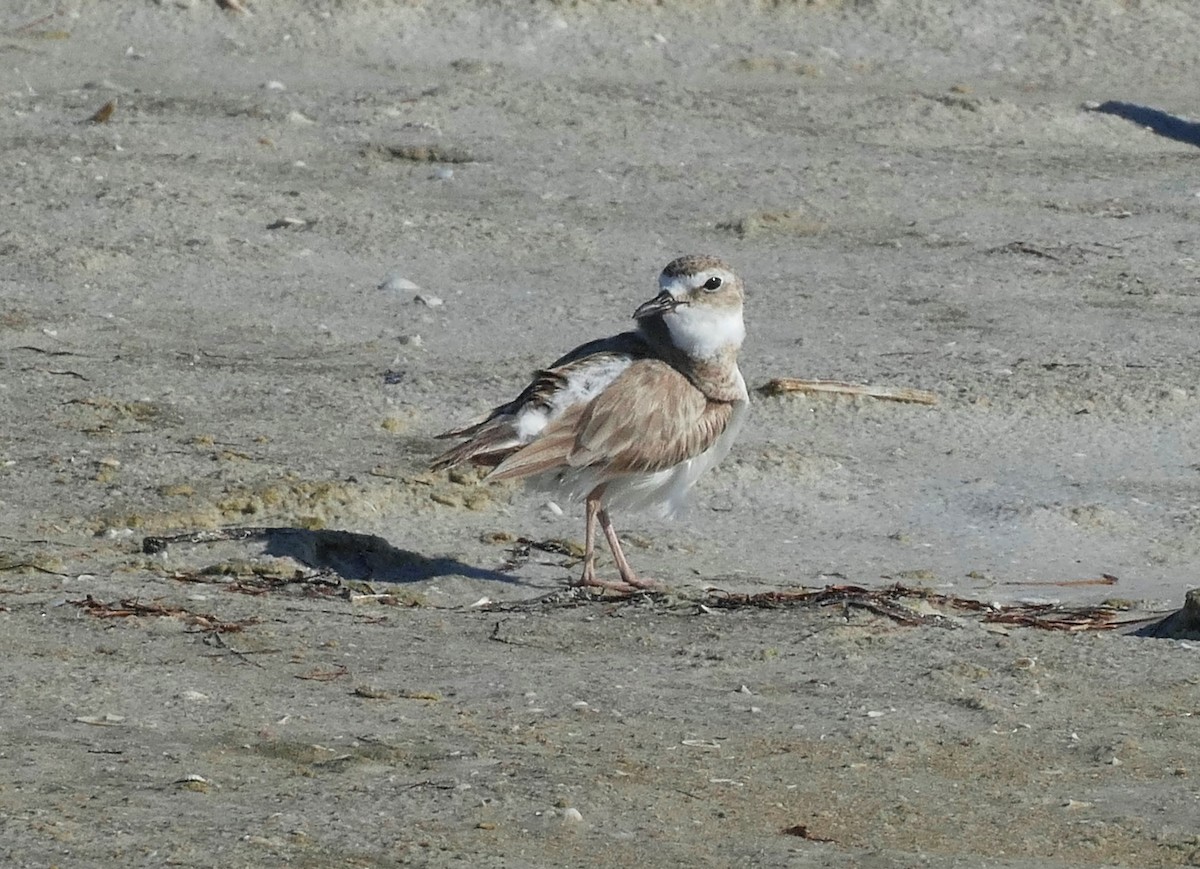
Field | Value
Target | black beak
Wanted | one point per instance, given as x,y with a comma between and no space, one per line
663,303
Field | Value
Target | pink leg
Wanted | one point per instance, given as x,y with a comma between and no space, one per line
629,580
628,577
589,539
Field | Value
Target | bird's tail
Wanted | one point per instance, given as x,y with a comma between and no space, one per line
487,445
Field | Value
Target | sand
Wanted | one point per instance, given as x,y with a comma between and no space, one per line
308,237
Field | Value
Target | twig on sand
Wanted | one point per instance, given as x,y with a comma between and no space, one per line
37,22
800,831
385,598
319,675
888,602
428,783
885,602
215,639
784,385
129,607
1103,579
570,596
155,545
882,602
1024,247
29,565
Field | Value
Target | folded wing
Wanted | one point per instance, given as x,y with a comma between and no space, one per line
649,418
569,384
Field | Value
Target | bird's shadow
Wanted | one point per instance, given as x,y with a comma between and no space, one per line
364,557
1163,123
368,557
1183,624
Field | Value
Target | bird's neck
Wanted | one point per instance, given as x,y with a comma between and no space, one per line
717,376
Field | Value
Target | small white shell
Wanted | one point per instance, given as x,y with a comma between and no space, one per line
397,282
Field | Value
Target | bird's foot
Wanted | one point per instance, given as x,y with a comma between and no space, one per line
630,584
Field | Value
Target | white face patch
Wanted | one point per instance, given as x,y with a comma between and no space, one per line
702,332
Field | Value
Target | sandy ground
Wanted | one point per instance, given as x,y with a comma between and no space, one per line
193,335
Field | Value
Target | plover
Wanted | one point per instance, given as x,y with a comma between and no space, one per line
630,421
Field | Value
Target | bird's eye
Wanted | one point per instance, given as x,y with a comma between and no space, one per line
712,284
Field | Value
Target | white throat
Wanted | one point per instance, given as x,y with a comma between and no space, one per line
702,332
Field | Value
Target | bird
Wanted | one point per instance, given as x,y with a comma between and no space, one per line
629,421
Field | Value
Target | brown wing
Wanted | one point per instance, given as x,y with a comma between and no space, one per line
650,418
498,434
493,437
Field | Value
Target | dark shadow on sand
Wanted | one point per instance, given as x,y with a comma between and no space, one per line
1163,123
1183,624
368,557
364,557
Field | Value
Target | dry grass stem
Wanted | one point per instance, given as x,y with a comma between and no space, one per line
784,385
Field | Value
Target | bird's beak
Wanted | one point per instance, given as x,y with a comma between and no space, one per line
663,303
